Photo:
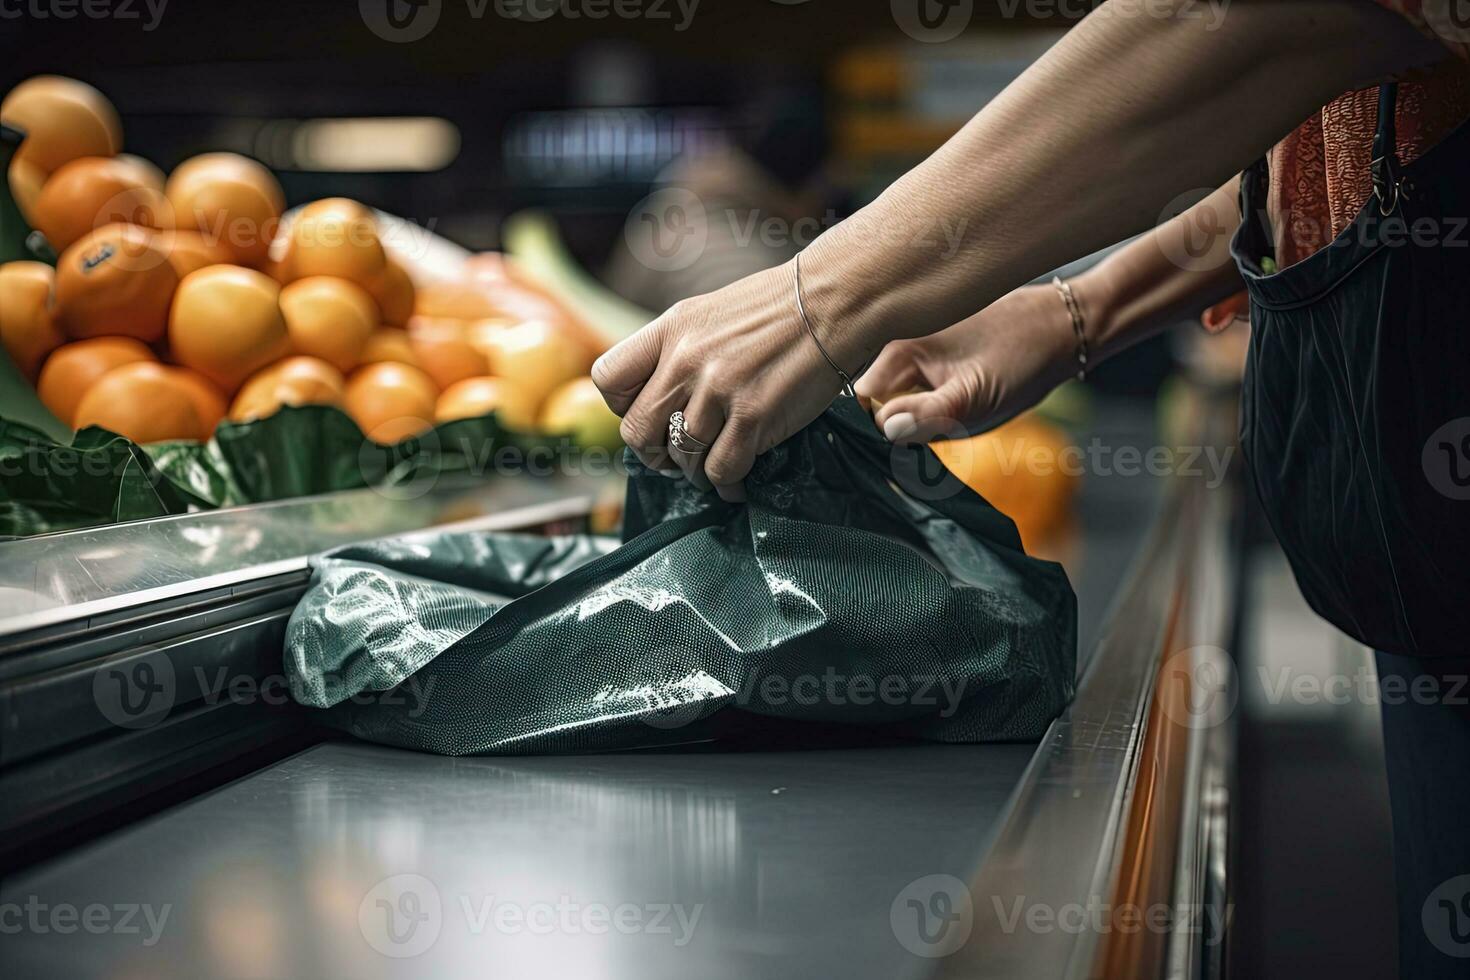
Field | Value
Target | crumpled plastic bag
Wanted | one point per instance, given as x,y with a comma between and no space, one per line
859,585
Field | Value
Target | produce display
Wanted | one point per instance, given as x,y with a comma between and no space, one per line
1025,469
192,327
166,308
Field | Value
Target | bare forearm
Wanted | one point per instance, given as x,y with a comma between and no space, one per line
1165,275
1087,148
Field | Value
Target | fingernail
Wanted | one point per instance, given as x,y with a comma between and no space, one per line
900,426
672,474
735,493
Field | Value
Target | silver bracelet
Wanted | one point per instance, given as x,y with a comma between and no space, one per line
1074,310
847,379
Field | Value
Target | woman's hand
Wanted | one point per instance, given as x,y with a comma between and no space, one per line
977,373
740,366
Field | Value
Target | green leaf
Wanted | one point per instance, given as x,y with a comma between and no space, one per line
99,477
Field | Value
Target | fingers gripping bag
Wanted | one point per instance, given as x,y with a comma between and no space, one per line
859,585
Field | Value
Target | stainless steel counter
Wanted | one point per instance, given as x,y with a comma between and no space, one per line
349,860
780,865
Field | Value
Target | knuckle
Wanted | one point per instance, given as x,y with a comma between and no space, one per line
635,433
740,424
723,469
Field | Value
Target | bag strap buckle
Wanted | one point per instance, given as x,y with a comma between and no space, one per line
1387,185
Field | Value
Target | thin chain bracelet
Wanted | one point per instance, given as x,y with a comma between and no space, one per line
847,379
1074,310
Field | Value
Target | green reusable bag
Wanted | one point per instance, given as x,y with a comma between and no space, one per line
860,585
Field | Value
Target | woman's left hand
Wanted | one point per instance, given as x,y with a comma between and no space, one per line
738,363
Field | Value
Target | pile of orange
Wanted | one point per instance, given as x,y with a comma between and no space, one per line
180,300
1026,468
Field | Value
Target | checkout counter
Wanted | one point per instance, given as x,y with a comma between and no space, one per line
152,767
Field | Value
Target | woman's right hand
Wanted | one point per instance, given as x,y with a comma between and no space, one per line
977,373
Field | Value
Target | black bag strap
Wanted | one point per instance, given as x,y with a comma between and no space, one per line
1385,165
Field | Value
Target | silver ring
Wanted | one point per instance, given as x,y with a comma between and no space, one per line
680,439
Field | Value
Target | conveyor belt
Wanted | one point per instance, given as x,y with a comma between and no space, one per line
796,863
